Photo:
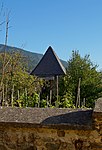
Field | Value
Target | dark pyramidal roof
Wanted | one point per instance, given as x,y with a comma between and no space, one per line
49,65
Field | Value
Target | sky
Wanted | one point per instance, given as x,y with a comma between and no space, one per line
65,25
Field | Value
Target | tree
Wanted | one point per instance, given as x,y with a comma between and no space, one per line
90,80
20,88
3,66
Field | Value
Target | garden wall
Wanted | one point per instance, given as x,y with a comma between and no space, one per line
51,129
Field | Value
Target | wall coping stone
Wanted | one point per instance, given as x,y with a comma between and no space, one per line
98,106
46,117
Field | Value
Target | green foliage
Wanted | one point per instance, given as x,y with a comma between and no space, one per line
24,90
43,103
20,88
29,101
66,101
91,83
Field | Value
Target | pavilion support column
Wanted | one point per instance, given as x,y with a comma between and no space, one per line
57,91
51,87
50,96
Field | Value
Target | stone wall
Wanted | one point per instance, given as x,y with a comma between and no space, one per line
51,129
22,138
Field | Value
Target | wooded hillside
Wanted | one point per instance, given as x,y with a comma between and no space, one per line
31,57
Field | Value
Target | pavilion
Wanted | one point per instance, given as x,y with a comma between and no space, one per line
49,67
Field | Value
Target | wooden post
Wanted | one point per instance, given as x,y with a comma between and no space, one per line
50,96
47,99
3,95
6,91
39,101
6,94
12,94
78,94
84,102
18,94
26,101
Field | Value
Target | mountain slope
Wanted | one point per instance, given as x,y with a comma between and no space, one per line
32,58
